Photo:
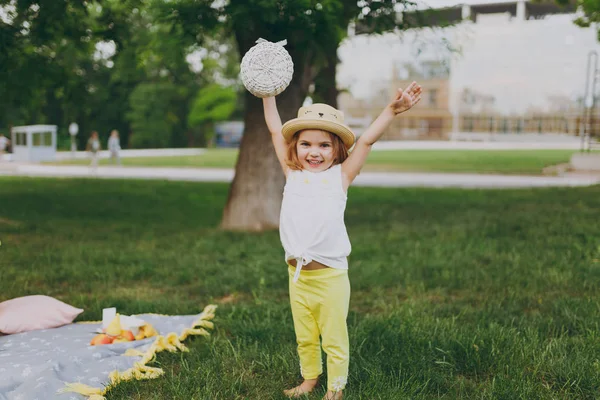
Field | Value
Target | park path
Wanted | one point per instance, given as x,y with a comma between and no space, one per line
378,179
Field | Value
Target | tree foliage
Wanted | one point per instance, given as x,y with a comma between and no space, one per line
41,43
154,116
213,103
591,13
53,70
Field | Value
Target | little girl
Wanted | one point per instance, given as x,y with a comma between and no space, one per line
313,151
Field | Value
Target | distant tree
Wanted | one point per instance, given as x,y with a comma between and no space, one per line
213,103
153,114
34,36
149,57
51,69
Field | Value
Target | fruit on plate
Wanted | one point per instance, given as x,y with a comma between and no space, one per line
114,333
146,331
114,328
127,335
102,338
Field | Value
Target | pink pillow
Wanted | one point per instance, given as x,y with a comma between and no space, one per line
29,313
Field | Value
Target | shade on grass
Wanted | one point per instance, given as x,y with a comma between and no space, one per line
455,293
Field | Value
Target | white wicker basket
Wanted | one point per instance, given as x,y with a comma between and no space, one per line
267,68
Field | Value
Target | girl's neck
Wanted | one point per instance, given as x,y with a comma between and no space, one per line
317,172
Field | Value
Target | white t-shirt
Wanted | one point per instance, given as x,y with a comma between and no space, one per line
95,145
3,143
311,224
113,144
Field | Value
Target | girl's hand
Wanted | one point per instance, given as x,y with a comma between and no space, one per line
406,98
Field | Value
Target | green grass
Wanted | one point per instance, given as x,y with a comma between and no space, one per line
212,158
477,161
466,294
516,162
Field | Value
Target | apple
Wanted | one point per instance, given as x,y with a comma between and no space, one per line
127,335
101,339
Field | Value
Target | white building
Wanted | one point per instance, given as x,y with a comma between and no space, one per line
34,143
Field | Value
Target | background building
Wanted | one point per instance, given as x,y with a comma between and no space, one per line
477,112
561,116
430,119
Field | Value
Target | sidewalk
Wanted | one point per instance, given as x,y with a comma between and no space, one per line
379,179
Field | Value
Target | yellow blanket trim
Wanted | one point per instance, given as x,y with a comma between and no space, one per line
170,342
134,353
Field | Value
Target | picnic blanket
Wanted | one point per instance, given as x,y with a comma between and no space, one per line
60,364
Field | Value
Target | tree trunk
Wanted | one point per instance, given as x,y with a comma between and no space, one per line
256,192
325,82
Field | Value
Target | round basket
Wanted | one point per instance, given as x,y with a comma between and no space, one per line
267,69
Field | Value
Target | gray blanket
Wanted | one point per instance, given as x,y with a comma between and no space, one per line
60,364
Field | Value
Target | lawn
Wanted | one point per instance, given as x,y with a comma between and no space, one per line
470,294
478,161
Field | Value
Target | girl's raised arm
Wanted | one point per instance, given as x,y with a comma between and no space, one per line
274,124
403,101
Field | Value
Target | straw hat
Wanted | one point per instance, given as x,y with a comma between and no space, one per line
267,68
319,116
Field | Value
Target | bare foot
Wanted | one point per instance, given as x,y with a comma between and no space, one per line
333,395
303,389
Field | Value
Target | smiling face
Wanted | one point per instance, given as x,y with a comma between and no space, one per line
315,150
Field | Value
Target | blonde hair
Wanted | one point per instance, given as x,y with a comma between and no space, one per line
340,152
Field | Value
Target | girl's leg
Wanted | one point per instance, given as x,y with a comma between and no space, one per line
307,332
334,331
307,338
115,157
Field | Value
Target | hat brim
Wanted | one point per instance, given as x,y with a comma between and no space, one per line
299,124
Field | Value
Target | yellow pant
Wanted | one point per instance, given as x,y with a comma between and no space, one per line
320,300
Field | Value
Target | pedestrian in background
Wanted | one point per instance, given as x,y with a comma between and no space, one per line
114,146
94,147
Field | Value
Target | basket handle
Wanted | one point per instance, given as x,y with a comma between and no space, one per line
281,42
